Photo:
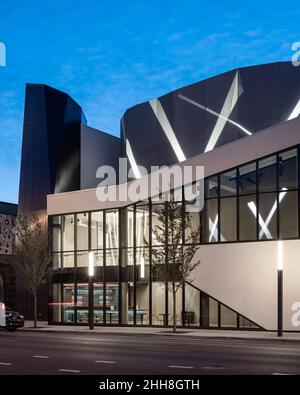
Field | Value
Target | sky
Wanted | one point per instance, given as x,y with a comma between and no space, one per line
110,55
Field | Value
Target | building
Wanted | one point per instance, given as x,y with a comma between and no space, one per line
244,128
8,212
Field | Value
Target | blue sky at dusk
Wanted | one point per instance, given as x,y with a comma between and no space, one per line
110,55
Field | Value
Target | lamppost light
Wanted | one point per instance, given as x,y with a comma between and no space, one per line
91,263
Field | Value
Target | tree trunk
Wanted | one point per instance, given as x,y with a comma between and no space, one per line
174,309
35,309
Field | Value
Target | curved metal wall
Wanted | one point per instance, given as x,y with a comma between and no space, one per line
210,113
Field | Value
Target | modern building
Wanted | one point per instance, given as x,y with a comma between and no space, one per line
244,128
8,212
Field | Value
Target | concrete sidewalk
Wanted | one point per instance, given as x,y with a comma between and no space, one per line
188,331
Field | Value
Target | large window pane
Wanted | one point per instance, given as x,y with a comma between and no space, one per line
112,257
267,218
267,174
228,317
56,305
56,260
68,259
97,230
288,215
142,263
247,217
142,226
112,229
56,233
158,304
82,231
158,227
247,178
68,302
112,303
210,221
228,183
213,312
142,302
98,303
178,307
287,170
228,219
82,259
192,305
194,220
68,232
211,187
82,303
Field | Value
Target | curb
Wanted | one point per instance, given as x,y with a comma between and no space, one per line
178,334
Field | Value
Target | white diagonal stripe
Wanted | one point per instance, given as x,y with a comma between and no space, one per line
296,112
214,230
167,128
264,224
273,209
228,106
188,100
132,161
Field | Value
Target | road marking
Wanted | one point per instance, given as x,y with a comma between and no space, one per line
181,367
40,356
5,363
69,370
111,362
212,367
160,349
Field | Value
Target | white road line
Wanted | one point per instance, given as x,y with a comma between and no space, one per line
69,370
160,349
180,367
110,362
40,356
5,363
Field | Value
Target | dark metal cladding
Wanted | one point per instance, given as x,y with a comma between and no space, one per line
253,98
51,146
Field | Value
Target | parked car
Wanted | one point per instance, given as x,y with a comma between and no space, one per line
13,320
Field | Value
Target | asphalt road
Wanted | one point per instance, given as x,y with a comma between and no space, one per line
38,353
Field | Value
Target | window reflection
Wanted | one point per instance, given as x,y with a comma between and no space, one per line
247,179
267,174
82,221
228,183
112,229
97,230
211,221
68,232
287,170
142,226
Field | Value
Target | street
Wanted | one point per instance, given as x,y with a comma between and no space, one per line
37,353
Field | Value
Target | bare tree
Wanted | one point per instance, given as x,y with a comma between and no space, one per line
175,261
32,255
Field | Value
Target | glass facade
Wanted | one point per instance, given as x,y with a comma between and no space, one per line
256,201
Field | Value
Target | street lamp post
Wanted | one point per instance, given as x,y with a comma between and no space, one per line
280,288
91,290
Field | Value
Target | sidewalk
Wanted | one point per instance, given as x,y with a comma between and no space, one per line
189,332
